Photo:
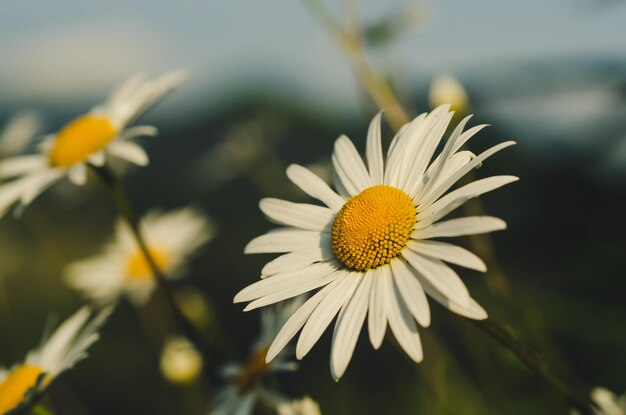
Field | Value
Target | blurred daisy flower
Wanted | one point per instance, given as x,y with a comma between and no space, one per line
607,403
104,131
370,249
61,351
121,269
245,387
304,406
18,132
181,363
448,89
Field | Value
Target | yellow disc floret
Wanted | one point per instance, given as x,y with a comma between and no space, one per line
372,227
80,139
14,387
137,267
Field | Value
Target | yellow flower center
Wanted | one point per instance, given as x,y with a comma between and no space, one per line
16,384
80,139
137,267
372,227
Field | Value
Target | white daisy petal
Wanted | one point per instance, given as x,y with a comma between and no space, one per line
397,151
448,253
471,310
315,187
374,151
129,151
40,182
440,189
456,198
349,166
401,322
412,291
269,285
78,174
300,215
439,275
296,260
325,312
286,240
297,320
377,317
138,131
341,189
471,225
349,325
98,159
19,165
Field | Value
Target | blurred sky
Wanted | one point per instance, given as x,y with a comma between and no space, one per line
68,49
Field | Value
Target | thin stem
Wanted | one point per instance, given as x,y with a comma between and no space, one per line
119,196
533,361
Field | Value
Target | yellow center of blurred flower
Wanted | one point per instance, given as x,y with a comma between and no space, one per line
80,139
16,384
252,371
137,267
372,227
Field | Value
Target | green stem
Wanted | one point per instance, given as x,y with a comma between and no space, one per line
119,196
535,363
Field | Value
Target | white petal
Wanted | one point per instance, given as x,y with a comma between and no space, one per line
286,240
129,151
138,131
349,325
377,317
315,187
456,198
292,290
442,187
396,153
19,165
349,166
296,260
78,174
98,159
300,215
325,312
374,151
11,192
41,181
401,322
439,275
471,310
411,290
341,189
471,225
297,320
270,285
449,253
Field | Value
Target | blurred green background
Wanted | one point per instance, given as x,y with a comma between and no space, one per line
268,88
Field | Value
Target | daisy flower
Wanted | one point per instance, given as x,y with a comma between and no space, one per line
245,381
61,351
18,133
121,268
304,406
104,131
371,248
607,403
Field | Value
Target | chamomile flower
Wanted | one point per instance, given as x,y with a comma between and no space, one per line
61,351
370,250
121,268
104,131
245,386
18,133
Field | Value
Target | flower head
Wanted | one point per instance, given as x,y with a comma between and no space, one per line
61,351
245,382
370,249
121,268
89,139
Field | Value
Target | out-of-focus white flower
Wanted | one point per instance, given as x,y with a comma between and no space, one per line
304,406
104,131
370,249
446,89
607,402
245,381
181,362
18,133
61,351
121,268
